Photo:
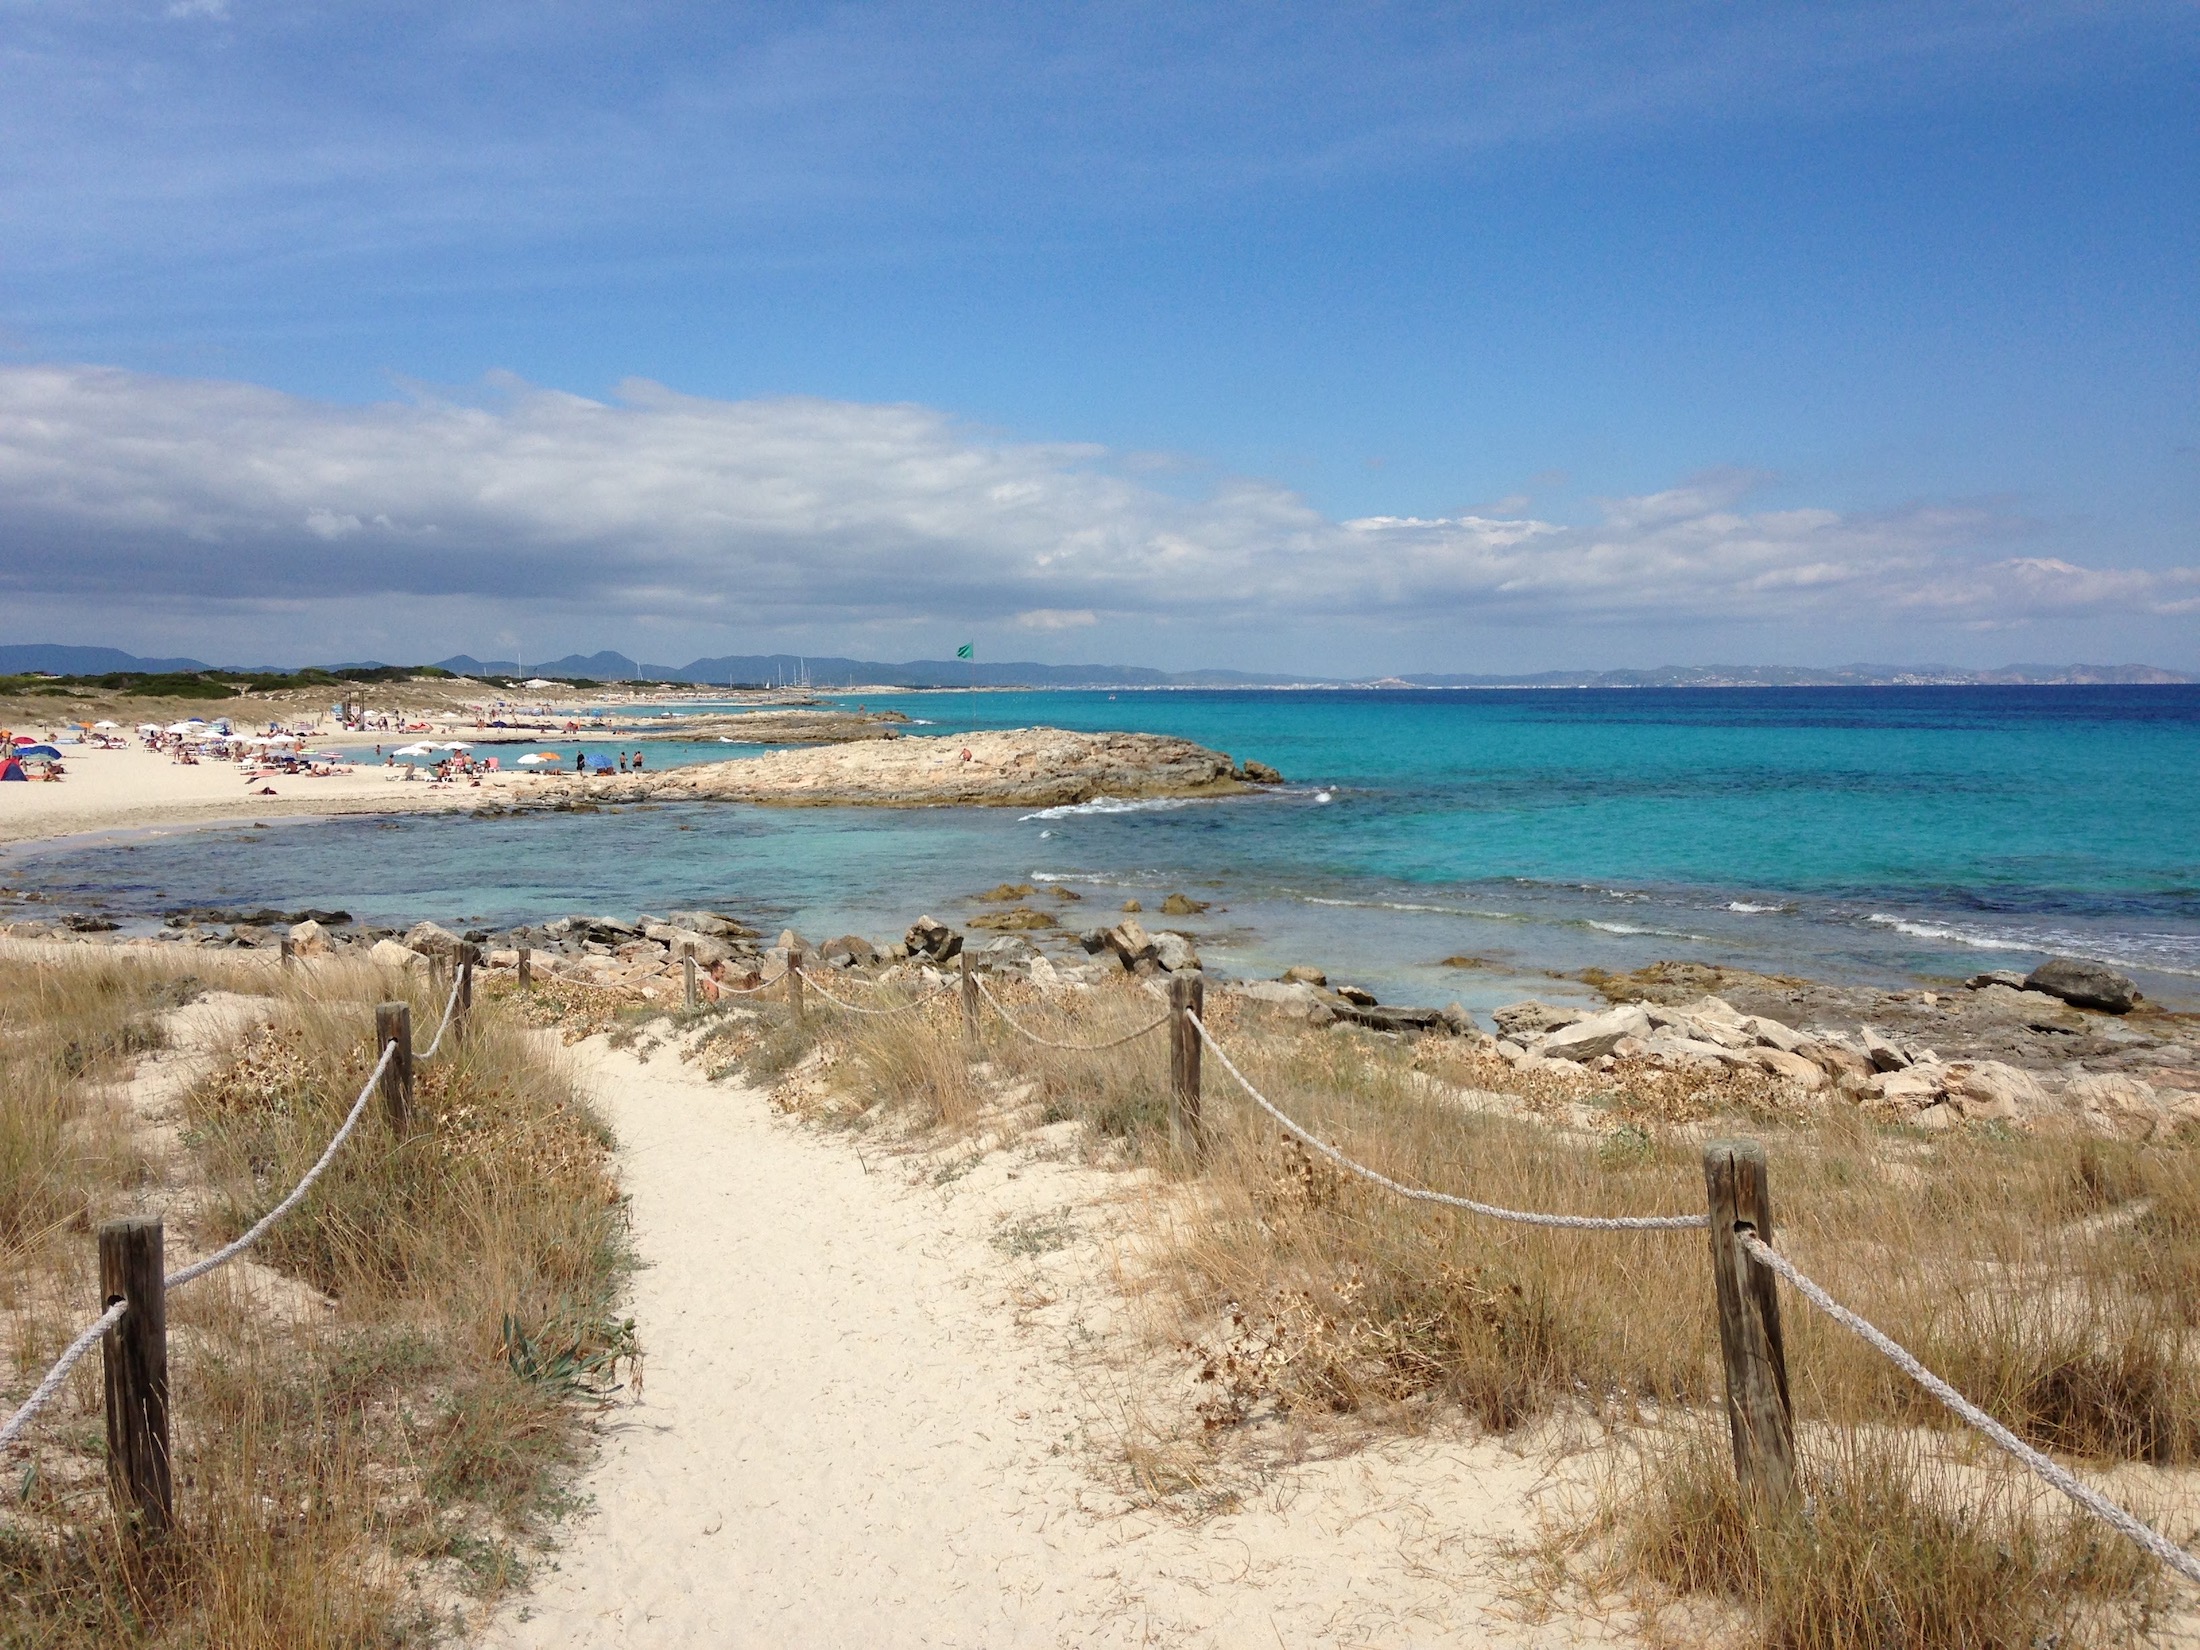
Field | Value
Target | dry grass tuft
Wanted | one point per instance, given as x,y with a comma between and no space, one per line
376,1412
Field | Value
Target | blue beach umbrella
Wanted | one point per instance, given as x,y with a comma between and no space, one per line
39,753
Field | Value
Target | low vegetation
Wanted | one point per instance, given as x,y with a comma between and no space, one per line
373,1413
2052,1278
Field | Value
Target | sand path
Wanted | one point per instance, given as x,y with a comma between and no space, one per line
864,1423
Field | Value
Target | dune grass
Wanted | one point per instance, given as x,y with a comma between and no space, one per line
2050,1276
373,1417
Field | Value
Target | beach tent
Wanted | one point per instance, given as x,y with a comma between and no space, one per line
10,768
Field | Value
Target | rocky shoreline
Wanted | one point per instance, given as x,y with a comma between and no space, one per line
1020,767
2069,1046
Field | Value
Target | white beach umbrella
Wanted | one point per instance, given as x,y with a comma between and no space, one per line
456,745
532,761
414,750
104,724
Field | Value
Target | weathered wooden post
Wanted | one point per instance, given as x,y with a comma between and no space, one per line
464,1008
1187,997
393,1023
794,982
290,952
526,966
969,997
687,974
135,1356
1758,1412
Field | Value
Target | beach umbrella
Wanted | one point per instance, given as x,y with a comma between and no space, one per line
456,745
186,727
533,761
43,753
104,724
414,750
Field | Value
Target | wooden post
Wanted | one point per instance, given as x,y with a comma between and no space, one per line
687,974
290,951
1187,996
526,966
467,952
393,1023
794,983
969,997
135,1356
1758,1412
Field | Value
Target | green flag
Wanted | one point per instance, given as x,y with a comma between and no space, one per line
967,651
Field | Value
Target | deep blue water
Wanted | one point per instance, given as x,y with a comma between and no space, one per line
1856,833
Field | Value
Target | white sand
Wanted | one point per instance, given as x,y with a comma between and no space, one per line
112,790
865,1424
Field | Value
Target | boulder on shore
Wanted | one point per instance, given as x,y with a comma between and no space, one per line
932,940
1594,1037
2084,985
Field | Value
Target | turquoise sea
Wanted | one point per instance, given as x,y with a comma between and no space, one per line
1870,834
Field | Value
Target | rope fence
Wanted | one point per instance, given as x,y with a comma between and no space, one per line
2049,1470
1738,1222
1029,1035
133,1325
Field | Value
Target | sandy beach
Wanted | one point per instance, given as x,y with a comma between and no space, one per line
129,789
868,1419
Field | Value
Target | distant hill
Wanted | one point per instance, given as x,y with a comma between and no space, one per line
81,661
832,672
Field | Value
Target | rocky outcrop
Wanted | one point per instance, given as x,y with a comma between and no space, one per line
931,940
1020,768
2084,985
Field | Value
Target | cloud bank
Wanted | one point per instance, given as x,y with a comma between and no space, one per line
657,508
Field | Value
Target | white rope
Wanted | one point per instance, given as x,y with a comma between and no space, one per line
934,994
43,1395
46,1388
1572,1223
2046,1467
751,990
450,1008
1025,1031
230,1251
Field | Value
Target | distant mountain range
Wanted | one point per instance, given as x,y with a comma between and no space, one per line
831,672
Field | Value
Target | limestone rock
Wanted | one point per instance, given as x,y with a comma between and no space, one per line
709,950
1358,995
390,954
1772,1034
1995,1089
1914,1085
431,941
1130,942
309,938
1182,905
1258,773
1805,1074
1591,1038
853,950
1300,974
1174,952
931,939
1884,1054
2084,985
1518,1020
1999,976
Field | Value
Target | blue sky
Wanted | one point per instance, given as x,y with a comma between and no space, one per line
1351,338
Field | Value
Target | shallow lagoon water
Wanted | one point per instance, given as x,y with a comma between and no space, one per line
1869,834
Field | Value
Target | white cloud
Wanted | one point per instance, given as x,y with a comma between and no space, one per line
667,509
